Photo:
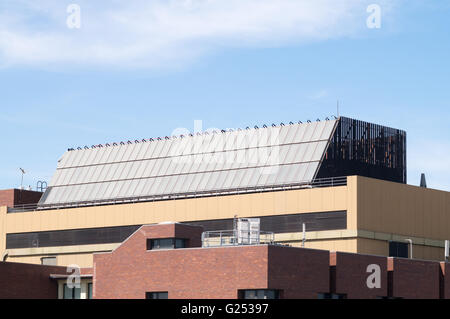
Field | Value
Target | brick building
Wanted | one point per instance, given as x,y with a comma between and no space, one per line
134,270
342,180
167,261
19,197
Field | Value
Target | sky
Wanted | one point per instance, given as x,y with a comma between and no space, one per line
79,72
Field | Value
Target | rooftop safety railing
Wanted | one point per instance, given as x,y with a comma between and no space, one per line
22,208
233,238
322,182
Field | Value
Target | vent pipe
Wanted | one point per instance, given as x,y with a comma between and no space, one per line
304,235
423,181
447,249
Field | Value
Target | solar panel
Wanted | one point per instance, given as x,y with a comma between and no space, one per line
243,159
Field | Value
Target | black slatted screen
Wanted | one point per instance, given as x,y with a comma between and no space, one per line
365,149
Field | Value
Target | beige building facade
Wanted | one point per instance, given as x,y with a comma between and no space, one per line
376,212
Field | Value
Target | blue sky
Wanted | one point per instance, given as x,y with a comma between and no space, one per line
141,69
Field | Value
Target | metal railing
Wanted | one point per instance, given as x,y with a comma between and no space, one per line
22,208
231,238
322,182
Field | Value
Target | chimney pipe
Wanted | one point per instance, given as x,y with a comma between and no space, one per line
423,181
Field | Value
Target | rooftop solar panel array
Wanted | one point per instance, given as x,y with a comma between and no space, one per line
207,162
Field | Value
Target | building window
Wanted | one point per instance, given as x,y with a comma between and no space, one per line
259,294
398,249
331,296
157,295
89,290
180,243
71,293
166,243
48,261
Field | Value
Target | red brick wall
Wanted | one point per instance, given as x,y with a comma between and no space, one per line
351,275
7,197
415,279
86,271
193,234
13,197
185,273
300,273
24,197
26,281
196,273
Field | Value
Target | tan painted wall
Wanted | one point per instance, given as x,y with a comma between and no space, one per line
372,205
403,209
381,247
82,260
3,210
352,202
219,207
344,245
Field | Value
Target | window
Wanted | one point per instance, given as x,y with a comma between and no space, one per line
398,249
180,243
104,235
157,295
166,243
259,294
89,236
331,296
89,290
71,293
48,261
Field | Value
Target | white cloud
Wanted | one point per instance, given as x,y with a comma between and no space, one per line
318,95
153,33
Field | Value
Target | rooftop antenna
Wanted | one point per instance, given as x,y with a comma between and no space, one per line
23,173
337,109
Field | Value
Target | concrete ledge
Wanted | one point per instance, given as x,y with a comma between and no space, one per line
61,250
349,234
319,235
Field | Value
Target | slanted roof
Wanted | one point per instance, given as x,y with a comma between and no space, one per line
208,162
